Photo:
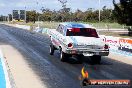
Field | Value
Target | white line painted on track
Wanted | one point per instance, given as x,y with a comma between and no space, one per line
8,85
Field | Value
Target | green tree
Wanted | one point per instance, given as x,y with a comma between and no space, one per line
79,16
64,14
123,12
31,16
90,15
106,14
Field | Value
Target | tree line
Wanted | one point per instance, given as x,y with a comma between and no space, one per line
123,13
65,14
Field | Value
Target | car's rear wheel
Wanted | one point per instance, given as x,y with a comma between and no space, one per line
63,56
52,49
80,58
96,59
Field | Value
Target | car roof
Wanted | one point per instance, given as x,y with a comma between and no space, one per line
76,25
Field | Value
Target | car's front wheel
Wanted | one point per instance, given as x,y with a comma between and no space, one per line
96,59
52,49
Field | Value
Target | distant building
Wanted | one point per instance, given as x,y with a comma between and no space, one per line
18,15
3,18
22,14
15,14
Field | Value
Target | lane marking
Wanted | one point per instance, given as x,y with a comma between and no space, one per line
8,85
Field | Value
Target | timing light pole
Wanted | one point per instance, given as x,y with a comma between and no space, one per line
25,15
38,14
99,11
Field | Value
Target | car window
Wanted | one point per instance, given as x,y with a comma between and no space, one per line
58,28
87,32
61,30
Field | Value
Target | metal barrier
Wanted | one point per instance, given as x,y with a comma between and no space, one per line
117,44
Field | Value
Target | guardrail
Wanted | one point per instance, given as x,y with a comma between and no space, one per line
117,44
23,26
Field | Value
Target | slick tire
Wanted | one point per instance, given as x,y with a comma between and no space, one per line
63,56
80,58
52,49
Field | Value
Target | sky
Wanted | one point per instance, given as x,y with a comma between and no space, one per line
6,6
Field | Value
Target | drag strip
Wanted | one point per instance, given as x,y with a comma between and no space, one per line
56,74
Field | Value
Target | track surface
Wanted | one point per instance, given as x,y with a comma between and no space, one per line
56,74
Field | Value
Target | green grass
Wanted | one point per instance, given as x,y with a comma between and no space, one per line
96,25
116,34
51,25
104,25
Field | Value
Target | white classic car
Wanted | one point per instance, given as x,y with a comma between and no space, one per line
77,39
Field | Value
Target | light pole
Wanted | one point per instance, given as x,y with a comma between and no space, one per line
38,14
25,15
8,18
99,11
12,16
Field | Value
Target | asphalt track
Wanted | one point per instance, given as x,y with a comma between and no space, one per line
56,74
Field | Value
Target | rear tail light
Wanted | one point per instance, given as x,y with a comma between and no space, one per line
74,29
106,47
70,45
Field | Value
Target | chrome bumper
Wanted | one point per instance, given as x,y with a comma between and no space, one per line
88,51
